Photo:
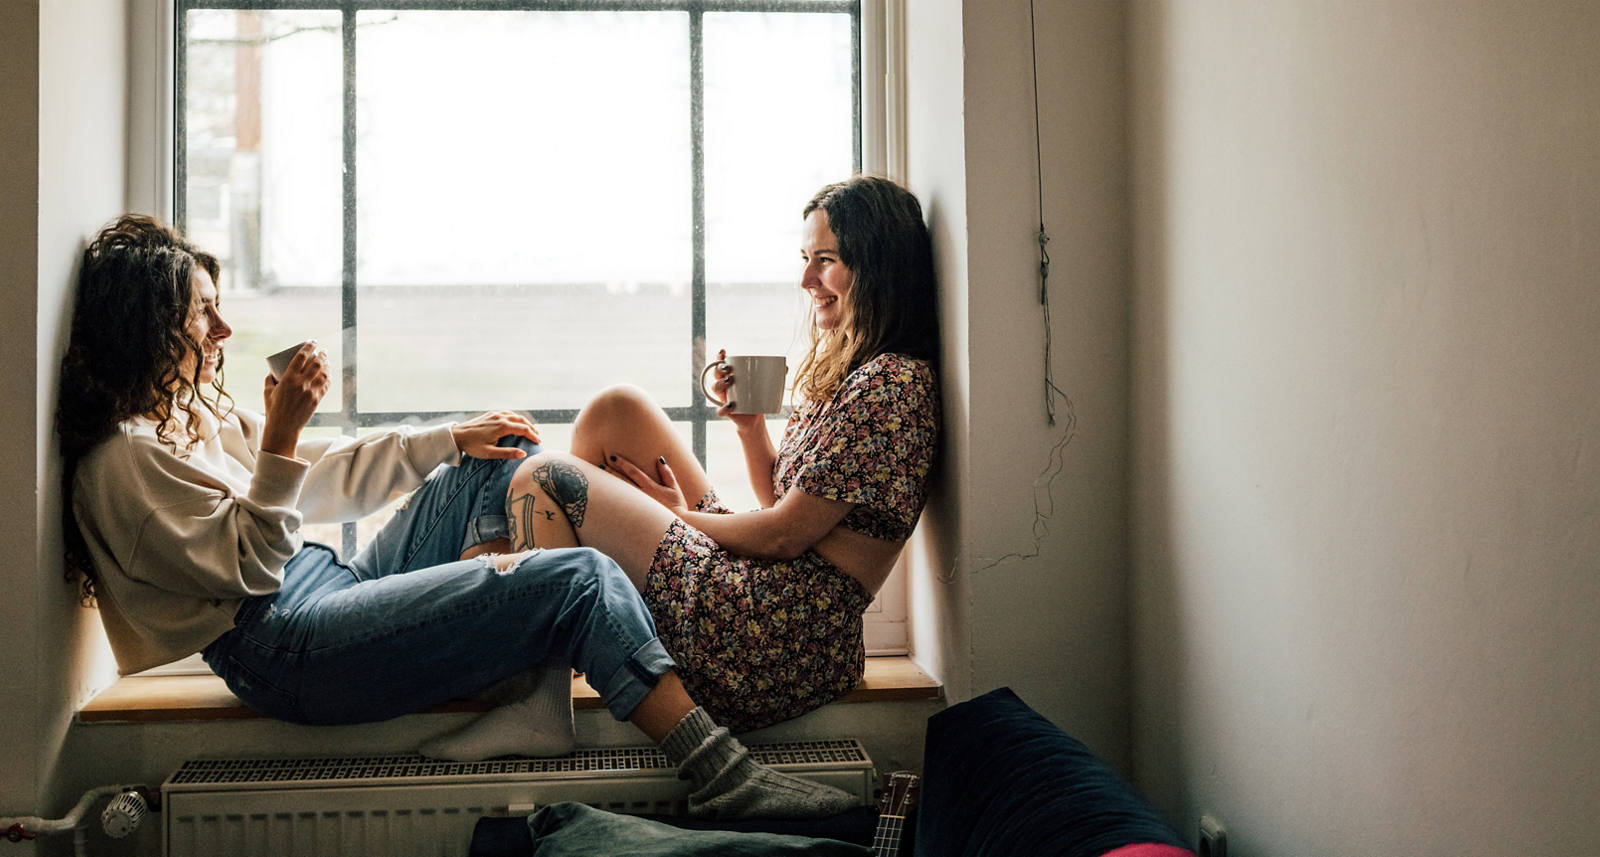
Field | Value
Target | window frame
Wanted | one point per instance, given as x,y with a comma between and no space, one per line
157,139
350,417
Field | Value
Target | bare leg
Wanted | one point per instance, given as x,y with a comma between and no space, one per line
544,492
624,420
662,709
492,546
557,500
564,500
560,500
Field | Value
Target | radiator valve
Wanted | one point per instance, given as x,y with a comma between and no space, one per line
120,818
123,814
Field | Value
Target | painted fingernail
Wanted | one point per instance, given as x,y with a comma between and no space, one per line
662,459
613,458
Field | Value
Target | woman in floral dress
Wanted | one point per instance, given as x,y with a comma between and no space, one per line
762,609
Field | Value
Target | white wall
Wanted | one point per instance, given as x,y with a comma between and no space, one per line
62,90
1367,436
1028,588
938,588
83,117
1047,504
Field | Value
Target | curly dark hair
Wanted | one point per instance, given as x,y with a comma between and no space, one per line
126,350
893,303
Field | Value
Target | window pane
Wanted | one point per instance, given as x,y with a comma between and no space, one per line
263,191
778,126
533,240
477,347
725,463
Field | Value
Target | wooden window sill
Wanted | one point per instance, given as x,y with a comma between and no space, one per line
159,699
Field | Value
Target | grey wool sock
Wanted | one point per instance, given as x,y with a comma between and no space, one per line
729,784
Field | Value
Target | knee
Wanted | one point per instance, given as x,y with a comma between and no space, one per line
600,568
579,569
619,403
519,442
505,563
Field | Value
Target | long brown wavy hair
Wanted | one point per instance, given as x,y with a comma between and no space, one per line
893,304
125,353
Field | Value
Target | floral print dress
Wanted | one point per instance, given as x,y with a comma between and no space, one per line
759,641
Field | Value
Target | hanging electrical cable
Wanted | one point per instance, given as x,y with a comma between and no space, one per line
1051,391
1044,483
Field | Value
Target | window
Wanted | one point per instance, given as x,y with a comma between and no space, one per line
512,203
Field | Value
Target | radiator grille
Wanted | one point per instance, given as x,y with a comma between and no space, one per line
412,768
402,805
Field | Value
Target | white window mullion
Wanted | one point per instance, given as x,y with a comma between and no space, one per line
150,53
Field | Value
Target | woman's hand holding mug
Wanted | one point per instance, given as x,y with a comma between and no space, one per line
292,390
760,394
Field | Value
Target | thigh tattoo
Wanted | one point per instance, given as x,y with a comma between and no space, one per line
519,522
567,486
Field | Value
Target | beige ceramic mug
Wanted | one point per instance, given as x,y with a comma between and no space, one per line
757,382
278,363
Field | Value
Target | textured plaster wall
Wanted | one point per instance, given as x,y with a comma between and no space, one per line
1366,474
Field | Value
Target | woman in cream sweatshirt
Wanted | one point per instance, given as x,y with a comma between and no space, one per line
184,520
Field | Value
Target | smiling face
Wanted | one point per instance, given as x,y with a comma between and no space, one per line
825,278
205,327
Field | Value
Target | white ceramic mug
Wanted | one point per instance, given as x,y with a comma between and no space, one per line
278,363
757,382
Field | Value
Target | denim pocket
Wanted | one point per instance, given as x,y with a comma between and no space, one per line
253,687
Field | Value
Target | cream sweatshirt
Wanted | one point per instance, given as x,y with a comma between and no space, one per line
179,538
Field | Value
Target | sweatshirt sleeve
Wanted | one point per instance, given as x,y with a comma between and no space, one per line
350,478
172,523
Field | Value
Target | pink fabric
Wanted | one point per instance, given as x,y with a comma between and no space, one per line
1148,850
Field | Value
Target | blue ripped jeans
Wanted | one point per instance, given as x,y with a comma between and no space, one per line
406,624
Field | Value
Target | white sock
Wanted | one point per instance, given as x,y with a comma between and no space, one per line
538,724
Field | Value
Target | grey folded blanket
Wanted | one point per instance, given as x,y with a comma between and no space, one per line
563,829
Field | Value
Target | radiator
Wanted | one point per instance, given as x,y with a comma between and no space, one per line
408,805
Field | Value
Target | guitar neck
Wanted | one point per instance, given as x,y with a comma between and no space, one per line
899,796
886,841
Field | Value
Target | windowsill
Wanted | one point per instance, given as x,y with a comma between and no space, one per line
159,699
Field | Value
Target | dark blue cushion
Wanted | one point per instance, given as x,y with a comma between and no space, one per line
999,780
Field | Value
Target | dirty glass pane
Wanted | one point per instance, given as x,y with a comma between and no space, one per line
522,243
263,193
778,126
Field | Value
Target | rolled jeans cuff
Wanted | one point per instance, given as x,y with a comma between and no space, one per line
637,676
